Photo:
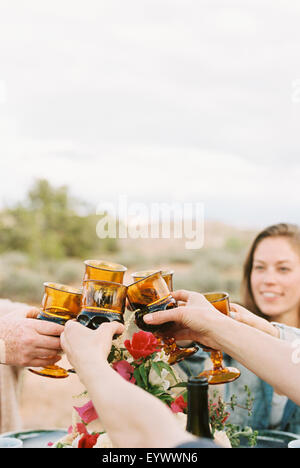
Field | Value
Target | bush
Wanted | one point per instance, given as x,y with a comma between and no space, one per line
22,286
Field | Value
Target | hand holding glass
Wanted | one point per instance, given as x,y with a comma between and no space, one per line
151,294
219,374
59,304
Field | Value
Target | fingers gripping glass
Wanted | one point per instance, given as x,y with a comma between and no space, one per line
60,303
151,294
219,374
102,301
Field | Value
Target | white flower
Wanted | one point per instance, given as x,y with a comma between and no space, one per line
221,439
66,441
76,440
161,356
103,441
163,380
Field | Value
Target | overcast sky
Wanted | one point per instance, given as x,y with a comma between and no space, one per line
159,100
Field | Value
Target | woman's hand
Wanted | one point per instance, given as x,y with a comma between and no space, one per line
243,315
194,320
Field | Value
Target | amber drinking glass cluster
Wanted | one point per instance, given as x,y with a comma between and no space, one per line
102,298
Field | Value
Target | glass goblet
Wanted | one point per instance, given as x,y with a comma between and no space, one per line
104,271
166,274
60,303
102,301
151,294
219,374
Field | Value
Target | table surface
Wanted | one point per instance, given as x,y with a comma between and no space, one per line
37,438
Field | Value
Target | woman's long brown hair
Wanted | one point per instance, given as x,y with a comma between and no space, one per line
291,232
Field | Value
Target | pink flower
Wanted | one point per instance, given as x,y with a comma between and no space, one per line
178,405
125,370
142,345
87,412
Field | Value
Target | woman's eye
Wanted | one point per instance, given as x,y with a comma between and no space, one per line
258,267
284,269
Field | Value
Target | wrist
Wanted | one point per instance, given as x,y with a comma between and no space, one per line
89,368
216,327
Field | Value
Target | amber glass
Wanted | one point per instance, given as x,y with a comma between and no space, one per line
102,270
102,301
166,274
59,304
219,374
151,294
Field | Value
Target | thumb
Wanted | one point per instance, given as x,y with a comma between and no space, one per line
111,328
240,314
33,312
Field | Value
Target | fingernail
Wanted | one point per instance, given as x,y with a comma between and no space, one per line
148,318
232,314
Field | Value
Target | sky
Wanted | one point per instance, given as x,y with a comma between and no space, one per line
158,100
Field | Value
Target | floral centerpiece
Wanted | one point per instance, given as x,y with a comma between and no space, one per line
140,359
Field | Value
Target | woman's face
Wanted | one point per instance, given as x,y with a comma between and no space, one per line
275,277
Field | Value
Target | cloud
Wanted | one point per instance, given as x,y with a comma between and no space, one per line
158,100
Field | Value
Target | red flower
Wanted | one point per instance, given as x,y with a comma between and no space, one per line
81,428
225,418
87,412
142,345
88,441
125,370
178,405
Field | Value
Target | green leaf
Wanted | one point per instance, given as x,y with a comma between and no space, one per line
164,365
156,368
144,374
155,389
180,385
138,378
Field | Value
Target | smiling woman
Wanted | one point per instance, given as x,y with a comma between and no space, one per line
271,290
272,275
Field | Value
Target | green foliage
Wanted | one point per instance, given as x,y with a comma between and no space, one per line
235,244
219,414
48,225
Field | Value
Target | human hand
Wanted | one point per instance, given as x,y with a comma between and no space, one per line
83,345
194,320
243,315
33,313
29,342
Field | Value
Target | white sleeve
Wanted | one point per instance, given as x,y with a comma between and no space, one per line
287,333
